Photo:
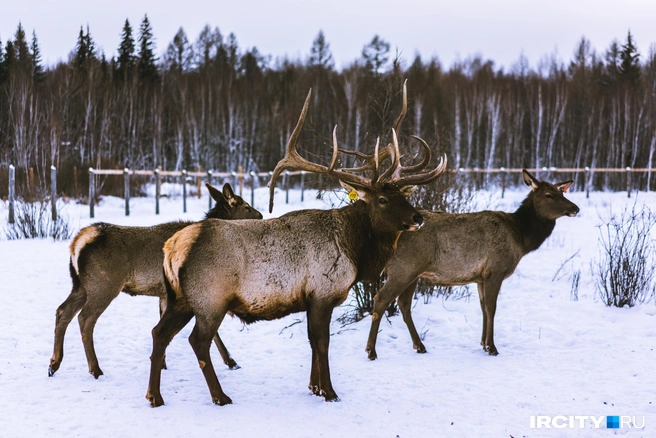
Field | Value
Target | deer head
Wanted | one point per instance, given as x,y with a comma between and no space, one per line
548,198
229,205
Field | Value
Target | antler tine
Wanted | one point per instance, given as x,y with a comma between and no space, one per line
404,108
422,178
292,159
415,167
396,160
374,180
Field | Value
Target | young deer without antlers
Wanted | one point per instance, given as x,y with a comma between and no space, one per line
457,249
305,260
107,259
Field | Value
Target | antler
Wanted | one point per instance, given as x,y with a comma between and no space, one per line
292,160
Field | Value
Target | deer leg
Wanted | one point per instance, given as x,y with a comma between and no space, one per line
314,369
200,340
319,320
225,354
481,297
382,300
162,309
65,313
405,304
173,320
97,302
492,287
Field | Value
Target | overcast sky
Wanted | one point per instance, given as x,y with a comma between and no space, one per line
450,30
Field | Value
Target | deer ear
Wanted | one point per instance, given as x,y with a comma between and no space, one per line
407,190
530,180
229,194
215,193
564,186
362,193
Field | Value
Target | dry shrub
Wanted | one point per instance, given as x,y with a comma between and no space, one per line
33,219
624,272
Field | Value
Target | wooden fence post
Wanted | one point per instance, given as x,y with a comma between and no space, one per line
253,176
184,191
126,189
158,188
198,181
12,192
92,192
628,182
587,182
240,170
503,182
234,180
209,180
53,192
285,183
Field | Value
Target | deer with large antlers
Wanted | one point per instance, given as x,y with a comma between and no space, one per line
305,260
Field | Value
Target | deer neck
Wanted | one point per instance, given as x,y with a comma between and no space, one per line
533,229
367,248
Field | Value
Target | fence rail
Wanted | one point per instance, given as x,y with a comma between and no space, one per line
240,177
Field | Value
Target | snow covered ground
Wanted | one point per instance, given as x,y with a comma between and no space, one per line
558,356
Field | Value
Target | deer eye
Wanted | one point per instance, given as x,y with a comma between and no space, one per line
248,209
548,195
382,201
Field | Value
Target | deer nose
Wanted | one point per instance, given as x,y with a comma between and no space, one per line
419,219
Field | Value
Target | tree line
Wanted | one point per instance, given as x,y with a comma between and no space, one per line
214,104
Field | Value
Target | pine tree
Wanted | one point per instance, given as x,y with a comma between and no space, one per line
85,49
146,65
91,46
320,55
630,62
22,52
35,54
376,54
81,51
126,59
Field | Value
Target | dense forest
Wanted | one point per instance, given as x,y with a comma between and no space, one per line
213,104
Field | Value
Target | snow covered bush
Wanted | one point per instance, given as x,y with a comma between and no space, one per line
34,220
624,272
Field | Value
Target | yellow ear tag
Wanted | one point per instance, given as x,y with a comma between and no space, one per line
353,195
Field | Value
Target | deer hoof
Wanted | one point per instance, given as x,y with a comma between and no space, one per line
96,372
155,400
222,400
420,349
331,398
52,369
371,354
232,364
314,389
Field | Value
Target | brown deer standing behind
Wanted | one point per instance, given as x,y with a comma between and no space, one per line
457,249
107,259
305,260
